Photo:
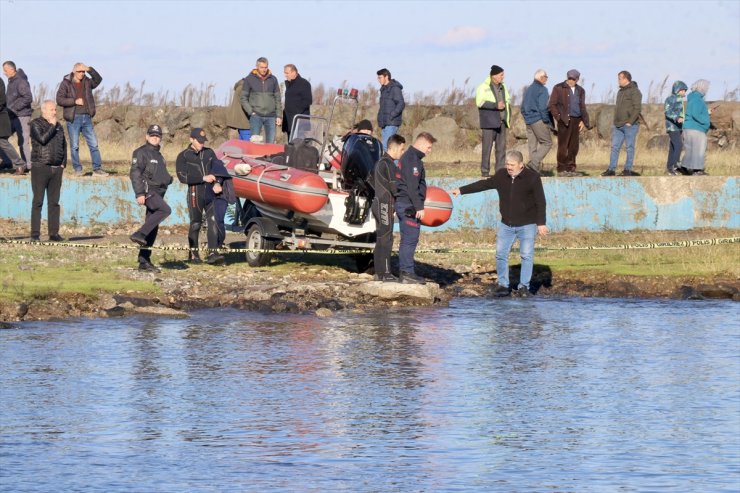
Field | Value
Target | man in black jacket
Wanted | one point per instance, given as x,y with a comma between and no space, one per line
150,179
75,95
6,131
412,191
19,106
193,168
48,158
384,184
521,200
298,97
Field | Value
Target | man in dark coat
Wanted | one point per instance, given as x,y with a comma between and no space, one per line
19,107
150,179
48,158
384,202
522,206
412,192
298,97
75,95
6,130
567,106
390,112
194,168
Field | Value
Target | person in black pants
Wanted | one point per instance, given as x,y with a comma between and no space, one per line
384,184
412,191
193,168
150,179
48,158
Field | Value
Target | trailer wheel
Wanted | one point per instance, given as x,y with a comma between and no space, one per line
256,241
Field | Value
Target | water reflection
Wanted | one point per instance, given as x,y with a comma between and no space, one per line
507,395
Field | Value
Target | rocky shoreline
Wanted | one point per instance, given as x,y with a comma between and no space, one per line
324,292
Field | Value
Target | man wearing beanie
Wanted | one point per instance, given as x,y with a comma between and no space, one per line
568,108
492,100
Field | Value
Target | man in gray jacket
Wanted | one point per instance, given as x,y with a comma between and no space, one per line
626,124
19,101
261,100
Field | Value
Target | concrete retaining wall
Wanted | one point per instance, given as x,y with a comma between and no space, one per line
586,204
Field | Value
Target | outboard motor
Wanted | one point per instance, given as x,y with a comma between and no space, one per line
360,154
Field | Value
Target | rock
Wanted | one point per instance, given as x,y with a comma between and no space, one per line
622,288
394,290
323,313
116,311
658,142
444,129
716,291
688,293
161,311
604,122
21,310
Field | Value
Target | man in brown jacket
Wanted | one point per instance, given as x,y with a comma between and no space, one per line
568,108
236,118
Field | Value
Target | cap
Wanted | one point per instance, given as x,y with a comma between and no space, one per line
573,74
154,130
364,125
198,134
495,70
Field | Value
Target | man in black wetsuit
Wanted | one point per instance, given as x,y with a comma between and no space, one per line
193,168
150,179
384,183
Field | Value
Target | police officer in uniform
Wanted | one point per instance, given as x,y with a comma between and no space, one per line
383,206
193,168
150,179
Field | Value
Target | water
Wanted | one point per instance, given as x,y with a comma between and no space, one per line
512,395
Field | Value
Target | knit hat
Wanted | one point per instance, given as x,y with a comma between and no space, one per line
573,74
495,70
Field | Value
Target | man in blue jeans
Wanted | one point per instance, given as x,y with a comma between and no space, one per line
260,99
390,111
76,98
522,204
626,124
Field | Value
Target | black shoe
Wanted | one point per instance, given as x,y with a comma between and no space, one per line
411,278
671,172
138,238
685,171
148,267
523,292
215,259
609,172
387,277
627,172
194,258
35,238
55,238
700,172
501,291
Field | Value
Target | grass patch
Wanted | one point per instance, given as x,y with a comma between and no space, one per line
42,274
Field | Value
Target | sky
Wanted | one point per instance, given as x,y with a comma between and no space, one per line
429,46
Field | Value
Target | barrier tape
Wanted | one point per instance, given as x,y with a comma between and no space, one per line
338,251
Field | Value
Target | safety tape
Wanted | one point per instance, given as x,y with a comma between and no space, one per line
356,251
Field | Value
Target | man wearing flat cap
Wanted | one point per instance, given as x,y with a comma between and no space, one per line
567,106
150,179
194,168
493,102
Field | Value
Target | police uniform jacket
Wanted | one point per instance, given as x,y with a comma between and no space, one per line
149,171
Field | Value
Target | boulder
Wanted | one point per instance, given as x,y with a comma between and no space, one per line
393,290
109,131
444,129
658,142
604,121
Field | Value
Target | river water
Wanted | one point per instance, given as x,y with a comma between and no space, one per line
484,395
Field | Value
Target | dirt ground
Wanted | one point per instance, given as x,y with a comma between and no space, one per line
317,283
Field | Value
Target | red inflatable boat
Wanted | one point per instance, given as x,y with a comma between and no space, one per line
276,185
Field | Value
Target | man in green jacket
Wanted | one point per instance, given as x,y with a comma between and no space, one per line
261,100
626,124
492,99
